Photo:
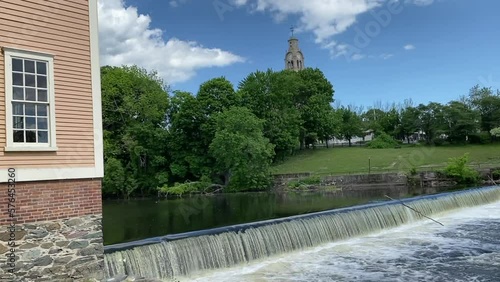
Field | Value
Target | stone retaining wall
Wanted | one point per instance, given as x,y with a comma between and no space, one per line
421,179
58,250
57,226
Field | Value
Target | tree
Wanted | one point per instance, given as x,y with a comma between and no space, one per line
214,96
329,126
186,142
134,105
430,120
487,104
313,100
270,96
372,119
460,121
243,155
495,132
351,124
409,122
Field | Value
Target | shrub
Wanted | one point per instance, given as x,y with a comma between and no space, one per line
495,132
179,189
413,171
496,174
305,183
383,141
458,170
482,137
440,142
311,180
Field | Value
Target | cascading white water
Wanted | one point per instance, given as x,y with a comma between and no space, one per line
187,256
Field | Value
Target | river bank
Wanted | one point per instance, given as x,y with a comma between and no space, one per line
424,179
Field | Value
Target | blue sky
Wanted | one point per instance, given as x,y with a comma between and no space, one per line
427,50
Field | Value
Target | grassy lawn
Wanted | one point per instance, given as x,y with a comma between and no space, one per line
346,160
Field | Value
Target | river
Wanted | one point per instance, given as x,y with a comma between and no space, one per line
130,220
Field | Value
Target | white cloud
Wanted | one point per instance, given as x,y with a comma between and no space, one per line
357,57
324,18
420,2
126,38
175,3
386,56
409,47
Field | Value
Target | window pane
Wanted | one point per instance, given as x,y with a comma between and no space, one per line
30,94
42,95
17,93
30,123
30,109
18,136
17,65
29,80
17,79
18,123
42,123
41,68
41,111
29,66
31,136
43,137
18,108
41,81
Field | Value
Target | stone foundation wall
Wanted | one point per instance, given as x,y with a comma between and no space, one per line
57,250
57,229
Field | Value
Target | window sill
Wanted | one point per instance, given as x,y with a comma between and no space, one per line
31,149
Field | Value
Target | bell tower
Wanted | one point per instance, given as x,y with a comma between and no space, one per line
294,59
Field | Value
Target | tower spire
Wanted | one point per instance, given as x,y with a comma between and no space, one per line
294,59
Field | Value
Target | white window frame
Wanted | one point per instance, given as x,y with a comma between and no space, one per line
11,146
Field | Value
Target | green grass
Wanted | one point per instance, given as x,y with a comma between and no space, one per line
344,160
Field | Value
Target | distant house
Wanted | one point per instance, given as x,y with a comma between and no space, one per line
368,136
51,151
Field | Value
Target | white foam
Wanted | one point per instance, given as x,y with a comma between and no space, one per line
423,251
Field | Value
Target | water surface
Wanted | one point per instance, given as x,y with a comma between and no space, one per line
131,220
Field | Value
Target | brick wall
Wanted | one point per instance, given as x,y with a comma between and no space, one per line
48,200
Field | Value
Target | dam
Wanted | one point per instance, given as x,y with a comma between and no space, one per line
371,242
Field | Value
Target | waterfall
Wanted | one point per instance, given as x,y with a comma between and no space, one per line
225,247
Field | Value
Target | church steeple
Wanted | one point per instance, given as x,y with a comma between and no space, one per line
294,59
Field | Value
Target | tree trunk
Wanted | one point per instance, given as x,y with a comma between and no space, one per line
349,142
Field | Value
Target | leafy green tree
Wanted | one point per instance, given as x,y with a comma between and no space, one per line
313,100
351,125
488,104
134,104
330,125
391,122
460,121
409,122
186,142
116,181
214,96
270,96
430,120
243,155
372,119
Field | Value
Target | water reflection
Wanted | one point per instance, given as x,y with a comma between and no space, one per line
132,220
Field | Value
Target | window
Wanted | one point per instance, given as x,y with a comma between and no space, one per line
29,92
